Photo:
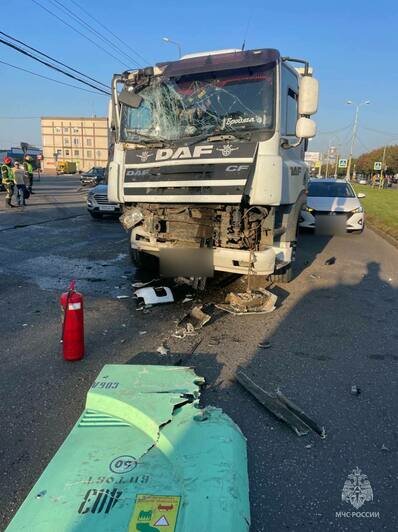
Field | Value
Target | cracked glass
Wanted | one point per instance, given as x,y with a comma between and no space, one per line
220,102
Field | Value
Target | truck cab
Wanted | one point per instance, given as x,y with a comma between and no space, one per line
208,152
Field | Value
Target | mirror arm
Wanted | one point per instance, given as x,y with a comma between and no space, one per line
285,143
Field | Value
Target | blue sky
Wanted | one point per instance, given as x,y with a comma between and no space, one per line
352,46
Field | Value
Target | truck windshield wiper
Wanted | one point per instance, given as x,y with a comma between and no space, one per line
223,135
147,139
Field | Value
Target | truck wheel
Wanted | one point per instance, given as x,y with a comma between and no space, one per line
96,215
144,261
284,275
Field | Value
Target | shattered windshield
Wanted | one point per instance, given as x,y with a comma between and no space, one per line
188,106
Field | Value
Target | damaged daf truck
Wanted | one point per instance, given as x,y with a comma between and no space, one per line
208,154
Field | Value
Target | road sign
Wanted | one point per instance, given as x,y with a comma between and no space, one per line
343,163
377,165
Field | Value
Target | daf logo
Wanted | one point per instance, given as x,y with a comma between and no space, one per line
184,152
137,172
295,170
226,150
144,156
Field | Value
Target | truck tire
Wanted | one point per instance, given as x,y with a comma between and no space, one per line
284,275
144,261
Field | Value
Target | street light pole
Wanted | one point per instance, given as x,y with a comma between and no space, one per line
170,41
354,134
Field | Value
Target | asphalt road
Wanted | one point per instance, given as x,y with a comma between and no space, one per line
335,326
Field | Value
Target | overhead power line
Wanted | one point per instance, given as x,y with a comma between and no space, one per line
52,59
90,28
24,52
111,32
50,79
80,33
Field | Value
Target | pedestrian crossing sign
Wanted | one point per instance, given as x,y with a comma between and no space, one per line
377,165
155,513
343,163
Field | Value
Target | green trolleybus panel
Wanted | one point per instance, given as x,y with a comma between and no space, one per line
143,457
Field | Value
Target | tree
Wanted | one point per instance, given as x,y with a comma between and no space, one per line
366,161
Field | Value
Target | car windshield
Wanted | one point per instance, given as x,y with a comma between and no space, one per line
233,100
330,190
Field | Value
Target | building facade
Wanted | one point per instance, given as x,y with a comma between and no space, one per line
82,140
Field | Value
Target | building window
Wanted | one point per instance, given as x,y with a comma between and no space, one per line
89,153
76,152
76,130
66,141
76,141
98,152
57,130
89,142
66,130
67,152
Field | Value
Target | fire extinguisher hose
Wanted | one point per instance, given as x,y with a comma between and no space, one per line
70,291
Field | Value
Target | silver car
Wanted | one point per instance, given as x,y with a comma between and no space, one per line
98,203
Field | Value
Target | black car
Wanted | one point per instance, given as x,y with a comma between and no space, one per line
94,176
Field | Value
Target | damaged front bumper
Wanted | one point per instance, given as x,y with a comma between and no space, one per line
240,261
143,454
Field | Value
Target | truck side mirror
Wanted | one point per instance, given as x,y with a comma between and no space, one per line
305,128
130,98
308,96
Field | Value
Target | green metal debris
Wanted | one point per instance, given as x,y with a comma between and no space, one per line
143,456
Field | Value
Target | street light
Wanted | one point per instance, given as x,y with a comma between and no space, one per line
354,132
169,41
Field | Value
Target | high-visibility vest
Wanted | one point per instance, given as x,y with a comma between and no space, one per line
6,173
28,167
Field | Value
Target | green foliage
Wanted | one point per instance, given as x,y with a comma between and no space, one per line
366,161
381,207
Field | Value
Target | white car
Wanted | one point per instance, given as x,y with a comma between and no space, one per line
333,197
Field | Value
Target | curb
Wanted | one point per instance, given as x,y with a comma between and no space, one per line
390,239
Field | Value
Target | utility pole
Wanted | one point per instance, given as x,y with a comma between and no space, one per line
354,134
383,164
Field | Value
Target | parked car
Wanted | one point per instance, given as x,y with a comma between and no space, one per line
333,197
98,204
94,176
362,181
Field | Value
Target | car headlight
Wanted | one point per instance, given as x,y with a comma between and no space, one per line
358,209
306,208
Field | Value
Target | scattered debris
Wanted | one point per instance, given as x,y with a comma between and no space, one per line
154,296
122,297
122,341
138,284
163,350
264,345
141,333
24,325
281,407
131,218
385,448
355,390
187,330
314,276
258,301
195,346
191,322
308,446
187,298
213,342
124,325
330,262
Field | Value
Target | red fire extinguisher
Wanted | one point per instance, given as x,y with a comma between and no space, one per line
72,327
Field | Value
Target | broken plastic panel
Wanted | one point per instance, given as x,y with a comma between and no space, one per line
155,295
143,453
